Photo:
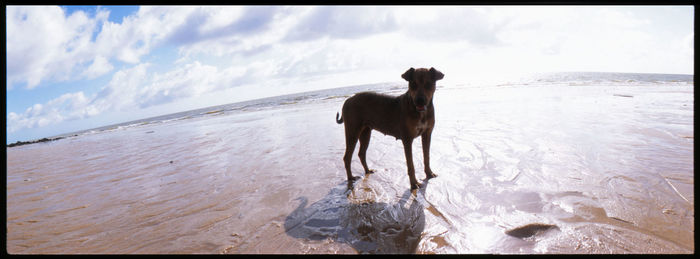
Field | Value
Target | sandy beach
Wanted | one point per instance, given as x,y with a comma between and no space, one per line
521,169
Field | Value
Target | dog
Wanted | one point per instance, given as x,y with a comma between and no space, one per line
404,117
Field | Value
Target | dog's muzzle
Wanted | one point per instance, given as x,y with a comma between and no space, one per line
421,103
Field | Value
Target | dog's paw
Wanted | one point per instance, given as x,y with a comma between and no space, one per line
429,175
370,171
351,182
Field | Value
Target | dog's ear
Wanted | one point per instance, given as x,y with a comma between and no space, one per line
437,75
408,75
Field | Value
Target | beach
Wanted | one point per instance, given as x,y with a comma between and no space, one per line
522,168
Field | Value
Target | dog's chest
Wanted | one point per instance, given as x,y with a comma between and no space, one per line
421,126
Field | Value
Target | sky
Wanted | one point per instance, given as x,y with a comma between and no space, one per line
72,68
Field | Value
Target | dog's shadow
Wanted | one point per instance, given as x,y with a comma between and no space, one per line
367,225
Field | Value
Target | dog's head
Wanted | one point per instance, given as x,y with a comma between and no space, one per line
421,86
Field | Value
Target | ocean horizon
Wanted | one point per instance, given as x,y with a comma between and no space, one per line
398,87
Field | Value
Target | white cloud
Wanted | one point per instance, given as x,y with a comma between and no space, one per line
68,106
688,44
213,23
99,66
139,33
343,22
217,34
190,80
218,18
45,44
474,25
123,90
130,89
144,89
42,43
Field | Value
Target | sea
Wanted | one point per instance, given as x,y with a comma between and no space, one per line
534,79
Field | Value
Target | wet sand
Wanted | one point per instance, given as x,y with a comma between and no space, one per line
535,169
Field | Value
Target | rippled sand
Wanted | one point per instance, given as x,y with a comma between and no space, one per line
536,169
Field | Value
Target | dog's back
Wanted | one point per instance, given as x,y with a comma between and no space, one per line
374,110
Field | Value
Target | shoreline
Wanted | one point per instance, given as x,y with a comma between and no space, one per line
264,102
527,80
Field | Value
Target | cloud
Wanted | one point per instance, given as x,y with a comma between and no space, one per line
198,24
139,33
123,90
234,31
99,66
191,80
44,44
211,23
67,52
474,25
343,23
688,44
68,106
131,89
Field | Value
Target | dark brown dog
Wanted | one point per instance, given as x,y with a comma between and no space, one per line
405,117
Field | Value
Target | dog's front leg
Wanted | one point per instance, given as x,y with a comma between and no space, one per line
425,140
409,163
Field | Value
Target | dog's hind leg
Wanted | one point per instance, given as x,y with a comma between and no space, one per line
364,143
350,140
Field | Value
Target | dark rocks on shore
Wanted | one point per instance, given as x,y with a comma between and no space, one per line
19,143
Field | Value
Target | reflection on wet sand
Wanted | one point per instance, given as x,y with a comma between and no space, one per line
354,217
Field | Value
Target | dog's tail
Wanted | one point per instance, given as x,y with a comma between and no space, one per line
339,121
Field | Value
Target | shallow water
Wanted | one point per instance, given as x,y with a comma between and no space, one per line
611,167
